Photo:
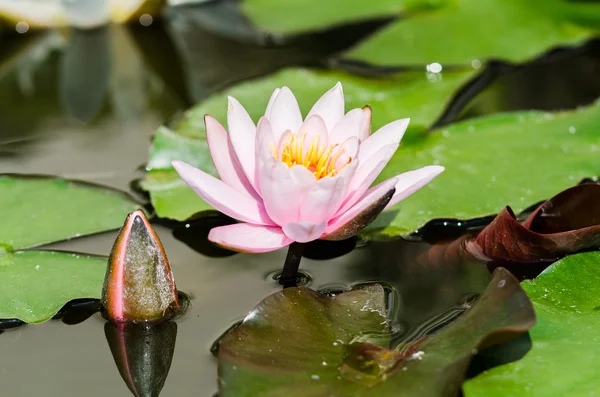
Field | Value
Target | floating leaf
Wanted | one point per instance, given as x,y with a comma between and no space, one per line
410,94
40,210
447,32
300,16
510,159
563,360
567,223
34,285
297,343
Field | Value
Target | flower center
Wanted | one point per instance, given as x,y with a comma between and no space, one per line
318,159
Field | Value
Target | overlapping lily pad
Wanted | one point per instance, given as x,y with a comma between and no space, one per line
448,32
509,159
34,285
564,358
407,95
297,343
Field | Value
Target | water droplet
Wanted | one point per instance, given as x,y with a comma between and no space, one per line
572,130
434,67
475,63
324,363
146,20
502,283
22,27
315,377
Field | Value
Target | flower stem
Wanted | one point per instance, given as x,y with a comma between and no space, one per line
289,275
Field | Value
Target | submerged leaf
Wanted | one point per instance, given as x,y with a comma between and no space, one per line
564,358
34,285
297,343
139,284
410,94
40,210
566,224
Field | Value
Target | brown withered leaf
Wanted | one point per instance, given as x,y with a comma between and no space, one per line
565,224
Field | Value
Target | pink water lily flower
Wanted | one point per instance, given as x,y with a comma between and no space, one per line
293,180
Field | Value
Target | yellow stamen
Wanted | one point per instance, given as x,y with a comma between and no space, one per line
317,158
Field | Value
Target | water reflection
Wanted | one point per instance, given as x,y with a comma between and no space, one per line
215,55
143,353
429,278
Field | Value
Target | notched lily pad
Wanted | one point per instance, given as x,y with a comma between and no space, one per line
410,94
564,358
37,210
297,343
565,224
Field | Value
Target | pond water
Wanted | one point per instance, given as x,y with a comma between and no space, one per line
85,105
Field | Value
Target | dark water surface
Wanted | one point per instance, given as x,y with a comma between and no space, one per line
84,105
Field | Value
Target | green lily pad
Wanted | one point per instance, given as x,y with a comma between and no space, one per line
40,210
513,159
299,16
564,359
448,32
407,95
297,343
34,285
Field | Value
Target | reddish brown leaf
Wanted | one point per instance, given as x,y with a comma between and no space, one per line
566,224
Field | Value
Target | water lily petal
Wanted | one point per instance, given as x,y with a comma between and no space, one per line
345,152
365,129
349,126
270,104
368,200
283,189
222,196
389,134
330,107
313,127
304,232
366,173
284,113
324,198
246,237
411,181
243,134
226,162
